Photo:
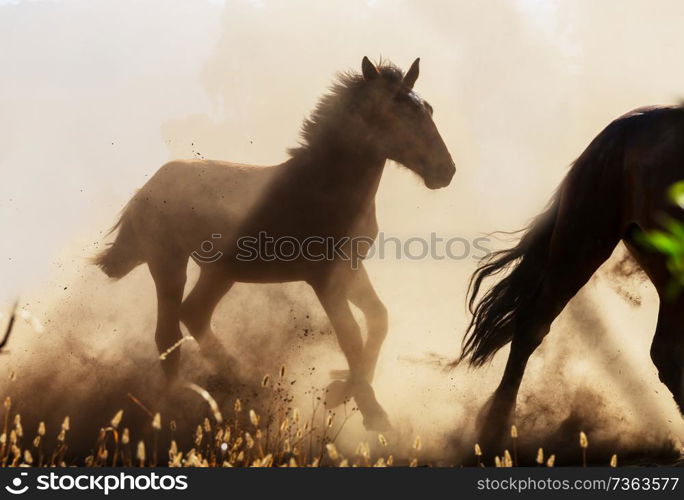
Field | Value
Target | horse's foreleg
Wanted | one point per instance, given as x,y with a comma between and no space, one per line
334,301
363,295
169,279
667,350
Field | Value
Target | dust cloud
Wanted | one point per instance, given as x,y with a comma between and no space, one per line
100,94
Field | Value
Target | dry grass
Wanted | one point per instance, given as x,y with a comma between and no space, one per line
244,438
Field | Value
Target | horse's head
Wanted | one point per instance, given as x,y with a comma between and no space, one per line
400,122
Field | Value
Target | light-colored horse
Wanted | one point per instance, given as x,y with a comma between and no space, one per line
219,213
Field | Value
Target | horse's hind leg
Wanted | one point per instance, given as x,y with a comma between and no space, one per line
169,279
572,260
197,310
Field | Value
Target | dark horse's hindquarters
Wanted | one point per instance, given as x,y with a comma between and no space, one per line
614,190
325,190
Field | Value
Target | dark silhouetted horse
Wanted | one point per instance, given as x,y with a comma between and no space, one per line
614,191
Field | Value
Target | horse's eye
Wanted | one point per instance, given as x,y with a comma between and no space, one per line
429,108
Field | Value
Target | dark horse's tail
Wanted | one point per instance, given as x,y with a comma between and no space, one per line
121,256
492,325
495,315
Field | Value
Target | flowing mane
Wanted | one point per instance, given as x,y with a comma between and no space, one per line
337,105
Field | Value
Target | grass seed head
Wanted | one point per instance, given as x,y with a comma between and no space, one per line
156,422
382,440
249,441
140,453
332,450
254,418
584,442
267,461
116,419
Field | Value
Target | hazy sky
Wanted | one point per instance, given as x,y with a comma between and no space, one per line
95,95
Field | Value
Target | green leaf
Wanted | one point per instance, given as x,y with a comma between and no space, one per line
664,242
676,193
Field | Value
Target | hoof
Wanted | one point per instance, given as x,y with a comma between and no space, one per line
493,424
378,422
337,393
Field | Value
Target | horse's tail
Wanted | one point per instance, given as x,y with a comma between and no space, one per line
492,326
495,315
121,256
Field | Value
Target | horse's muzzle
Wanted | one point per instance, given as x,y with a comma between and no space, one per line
441,177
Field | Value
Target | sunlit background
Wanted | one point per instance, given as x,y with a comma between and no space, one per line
96,95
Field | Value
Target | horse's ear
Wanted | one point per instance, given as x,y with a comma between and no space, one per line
412,74
369,70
